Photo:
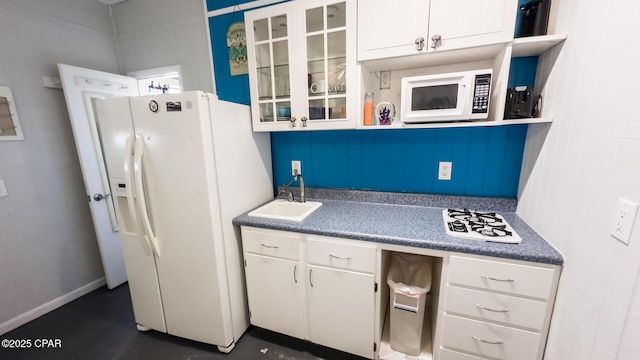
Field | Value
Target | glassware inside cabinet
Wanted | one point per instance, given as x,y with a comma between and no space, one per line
338,108
326,61
316,64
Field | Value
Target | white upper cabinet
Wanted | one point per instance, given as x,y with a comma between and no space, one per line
302,65
426,26
459,24
386,29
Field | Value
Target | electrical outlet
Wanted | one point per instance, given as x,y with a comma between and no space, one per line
444,170
3,189
296,167
385,80
624,218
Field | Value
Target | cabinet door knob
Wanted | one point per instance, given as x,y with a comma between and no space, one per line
436,40
304,121
293,122
419,43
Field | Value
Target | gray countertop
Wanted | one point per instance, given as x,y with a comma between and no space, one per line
409,220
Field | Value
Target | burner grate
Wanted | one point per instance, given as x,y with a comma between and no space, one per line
490,230
474,216
477,225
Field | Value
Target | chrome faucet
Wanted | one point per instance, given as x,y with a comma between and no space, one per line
296,177
301,180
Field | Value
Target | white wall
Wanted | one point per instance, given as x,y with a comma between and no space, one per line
157,33
575,169
47,242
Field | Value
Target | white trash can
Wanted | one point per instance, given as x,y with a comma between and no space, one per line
409,280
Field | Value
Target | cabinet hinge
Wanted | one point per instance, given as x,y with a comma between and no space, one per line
245,262
249,314
375,347
375,287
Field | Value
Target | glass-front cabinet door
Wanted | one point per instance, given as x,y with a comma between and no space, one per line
270,38
302,65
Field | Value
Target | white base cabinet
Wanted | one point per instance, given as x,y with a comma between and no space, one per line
312,287
275,298
340,305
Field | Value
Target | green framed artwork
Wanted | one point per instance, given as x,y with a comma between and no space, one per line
237,45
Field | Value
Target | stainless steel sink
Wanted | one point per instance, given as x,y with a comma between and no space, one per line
282,209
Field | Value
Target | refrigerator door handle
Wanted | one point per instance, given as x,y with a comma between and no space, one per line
128,183
138,154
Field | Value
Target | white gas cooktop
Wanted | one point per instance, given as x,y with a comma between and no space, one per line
482,226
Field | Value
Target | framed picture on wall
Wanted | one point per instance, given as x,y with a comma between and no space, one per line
9,124
237,44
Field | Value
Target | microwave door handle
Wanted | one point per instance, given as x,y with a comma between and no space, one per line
128,183
142,201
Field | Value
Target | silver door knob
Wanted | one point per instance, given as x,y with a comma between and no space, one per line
419,43
436,40
304,121
98,197
293,122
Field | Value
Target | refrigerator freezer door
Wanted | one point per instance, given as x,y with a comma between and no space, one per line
180,183
139,260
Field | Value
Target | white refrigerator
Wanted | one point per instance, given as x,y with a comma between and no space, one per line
180,167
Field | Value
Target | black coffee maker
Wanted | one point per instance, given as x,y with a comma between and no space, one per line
535,18
520,103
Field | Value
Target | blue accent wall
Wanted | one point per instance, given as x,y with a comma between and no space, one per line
228,88
522,71
486,160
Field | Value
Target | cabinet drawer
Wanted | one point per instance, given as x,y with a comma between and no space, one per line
340,255
496,307
500,276
446,354
500,342
278,244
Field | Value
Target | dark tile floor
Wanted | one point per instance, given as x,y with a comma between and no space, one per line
100,325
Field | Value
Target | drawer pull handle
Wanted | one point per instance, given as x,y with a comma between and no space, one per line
494,310
497,342
269,246
494,279
340,257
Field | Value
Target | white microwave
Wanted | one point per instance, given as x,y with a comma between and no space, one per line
446,97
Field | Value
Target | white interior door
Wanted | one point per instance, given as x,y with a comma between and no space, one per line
81,88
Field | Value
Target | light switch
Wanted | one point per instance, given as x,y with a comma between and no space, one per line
3,189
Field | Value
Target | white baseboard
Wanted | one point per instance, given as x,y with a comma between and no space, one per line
35,313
